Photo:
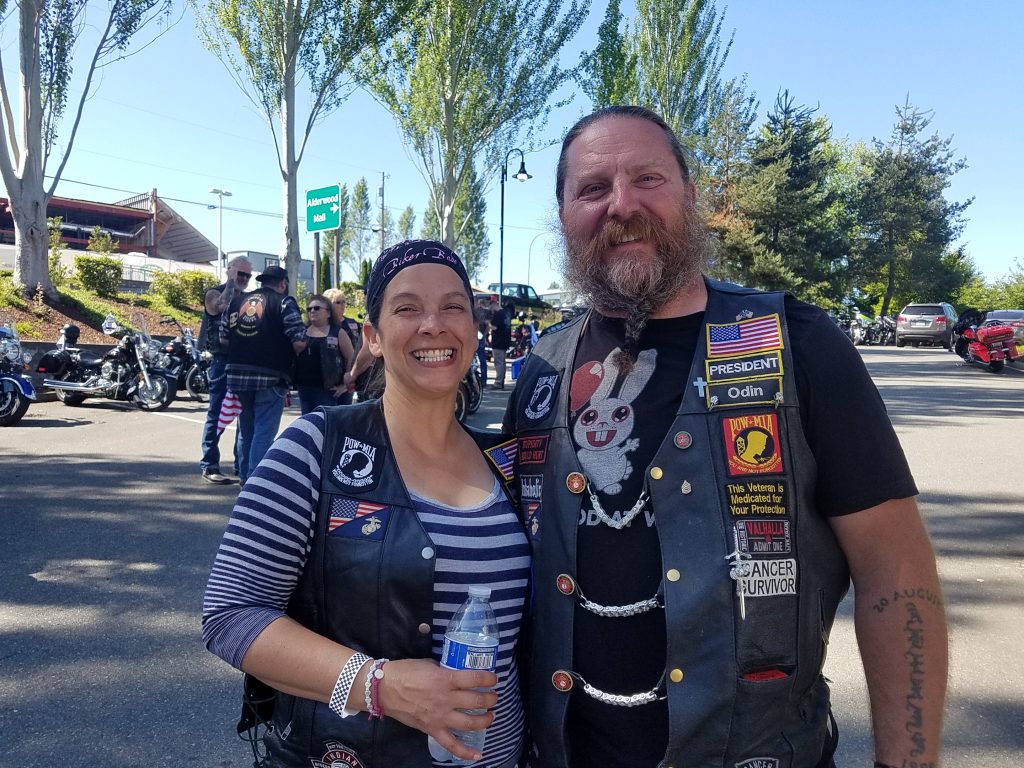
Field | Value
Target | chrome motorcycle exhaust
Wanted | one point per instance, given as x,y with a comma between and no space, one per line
86,387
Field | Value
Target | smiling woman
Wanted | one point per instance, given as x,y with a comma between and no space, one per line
395,504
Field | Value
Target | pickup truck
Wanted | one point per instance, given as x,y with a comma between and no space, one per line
522,295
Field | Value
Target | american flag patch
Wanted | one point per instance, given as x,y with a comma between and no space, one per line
504,456
753,335
345,510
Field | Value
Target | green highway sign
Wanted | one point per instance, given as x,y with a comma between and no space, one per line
322,209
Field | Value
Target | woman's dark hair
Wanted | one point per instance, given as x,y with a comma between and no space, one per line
617,111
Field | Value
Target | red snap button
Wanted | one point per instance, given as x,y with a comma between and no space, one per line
565,584
562,681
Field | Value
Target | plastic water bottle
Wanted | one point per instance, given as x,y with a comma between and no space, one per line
471,642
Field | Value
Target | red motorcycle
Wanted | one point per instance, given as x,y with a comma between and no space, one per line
985,344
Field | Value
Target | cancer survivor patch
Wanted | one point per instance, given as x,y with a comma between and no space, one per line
752,445
769,578
359,465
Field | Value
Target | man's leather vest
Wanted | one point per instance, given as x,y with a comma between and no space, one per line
733,472
209,329
368,583
257,338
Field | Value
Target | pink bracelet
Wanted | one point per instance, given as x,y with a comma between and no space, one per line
372,688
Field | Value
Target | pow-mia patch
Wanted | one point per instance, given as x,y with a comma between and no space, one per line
357,467
763,537
530,487
504,457
337,755
770,578
745,367
765,391
357,519
752,445
757,497
759,762
543,397
533,449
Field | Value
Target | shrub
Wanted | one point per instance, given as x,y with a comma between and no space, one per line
167,286
183,289
99,274
26,330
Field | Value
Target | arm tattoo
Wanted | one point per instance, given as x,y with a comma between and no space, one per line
922,594
914,632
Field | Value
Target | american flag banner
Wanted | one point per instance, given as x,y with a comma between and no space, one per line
504,456
759,333
345,510
229,411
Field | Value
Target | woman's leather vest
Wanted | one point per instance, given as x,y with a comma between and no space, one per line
733,472
368,583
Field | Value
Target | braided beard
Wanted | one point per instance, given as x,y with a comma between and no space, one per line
631,286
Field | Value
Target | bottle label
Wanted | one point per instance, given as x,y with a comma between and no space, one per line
456,655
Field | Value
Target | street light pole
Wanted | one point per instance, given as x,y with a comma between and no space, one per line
522,175
529,256
221,194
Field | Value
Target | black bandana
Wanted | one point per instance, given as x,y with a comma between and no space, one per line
406,254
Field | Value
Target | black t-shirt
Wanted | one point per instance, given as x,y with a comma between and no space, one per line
847,430
501,335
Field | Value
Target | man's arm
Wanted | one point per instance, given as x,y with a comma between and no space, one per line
218,301
901,629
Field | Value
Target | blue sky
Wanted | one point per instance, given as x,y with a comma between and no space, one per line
171,118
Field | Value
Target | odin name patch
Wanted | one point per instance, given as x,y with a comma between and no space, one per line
744,392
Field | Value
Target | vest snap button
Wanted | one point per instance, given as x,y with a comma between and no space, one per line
562,680
673,575
423,629
565,584
576,482
676,675
427,553
656,473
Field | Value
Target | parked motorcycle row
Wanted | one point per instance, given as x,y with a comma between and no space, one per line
985,343
864,330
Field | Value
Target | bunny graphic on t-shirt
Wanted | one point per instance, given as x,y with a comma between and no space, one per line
603,429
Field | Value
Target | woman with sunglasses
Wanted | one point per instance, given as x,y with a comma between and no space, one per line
320,373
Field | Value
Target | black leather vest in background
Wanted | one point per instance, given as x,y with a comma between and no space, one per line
716,716
259,342
375,595
209,329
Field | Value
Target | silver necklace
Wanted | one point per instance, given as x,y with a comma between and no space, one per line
618,611
618,699
626,517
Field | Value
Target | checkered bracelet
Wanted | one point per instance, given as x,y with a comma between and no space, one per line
372,688
343,687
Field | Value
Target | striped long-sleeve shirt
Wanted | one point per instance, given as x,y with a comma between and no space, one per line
269,537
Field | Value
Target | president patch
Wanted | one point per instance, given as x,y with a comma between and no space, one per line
752,445
745,367
739,392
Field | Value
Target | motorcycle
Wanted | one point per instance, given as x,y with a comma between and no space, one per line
470,394
182,358
16,391
985,344
884,330
123,373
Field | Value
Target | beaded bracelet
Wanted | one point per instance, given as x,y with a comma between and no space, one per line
343,686
371,689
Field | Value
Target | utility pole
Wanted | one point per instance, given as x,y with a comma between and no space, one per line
382,211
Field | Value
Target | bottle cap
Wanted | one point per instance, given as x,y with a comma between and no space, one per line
478,590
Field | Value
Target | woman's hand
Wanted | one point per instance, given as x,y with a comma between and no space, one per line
427,697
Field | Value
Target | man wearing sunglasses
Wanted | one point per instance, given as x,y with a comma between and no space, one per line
212,337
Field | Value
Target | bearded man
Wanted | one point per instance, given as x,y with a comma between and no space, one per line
684,589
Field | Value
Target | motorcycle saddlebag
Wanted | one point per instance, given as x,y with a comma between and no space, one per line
54,363
989,334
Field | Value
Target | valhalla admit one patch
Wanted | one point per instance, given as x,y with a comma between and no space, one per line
752,445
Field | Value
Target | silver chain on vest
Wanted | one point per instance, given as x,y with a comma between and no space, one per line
627,517
617,611
618,699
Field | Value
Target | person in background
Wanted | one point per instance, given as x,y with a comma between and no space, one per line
501,338
265,332
352,327
213,338
703,468
483,317
361,534
321,370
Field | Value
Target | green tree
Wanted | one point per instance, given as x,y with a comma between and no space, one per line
49,34
101,242
906,223
473,242
59,274
677,51
273,46
463,84
327,241
406,223
360,242
607,74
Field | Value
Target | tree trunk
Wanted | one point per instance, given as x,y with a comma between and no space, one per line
291,255
31,240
